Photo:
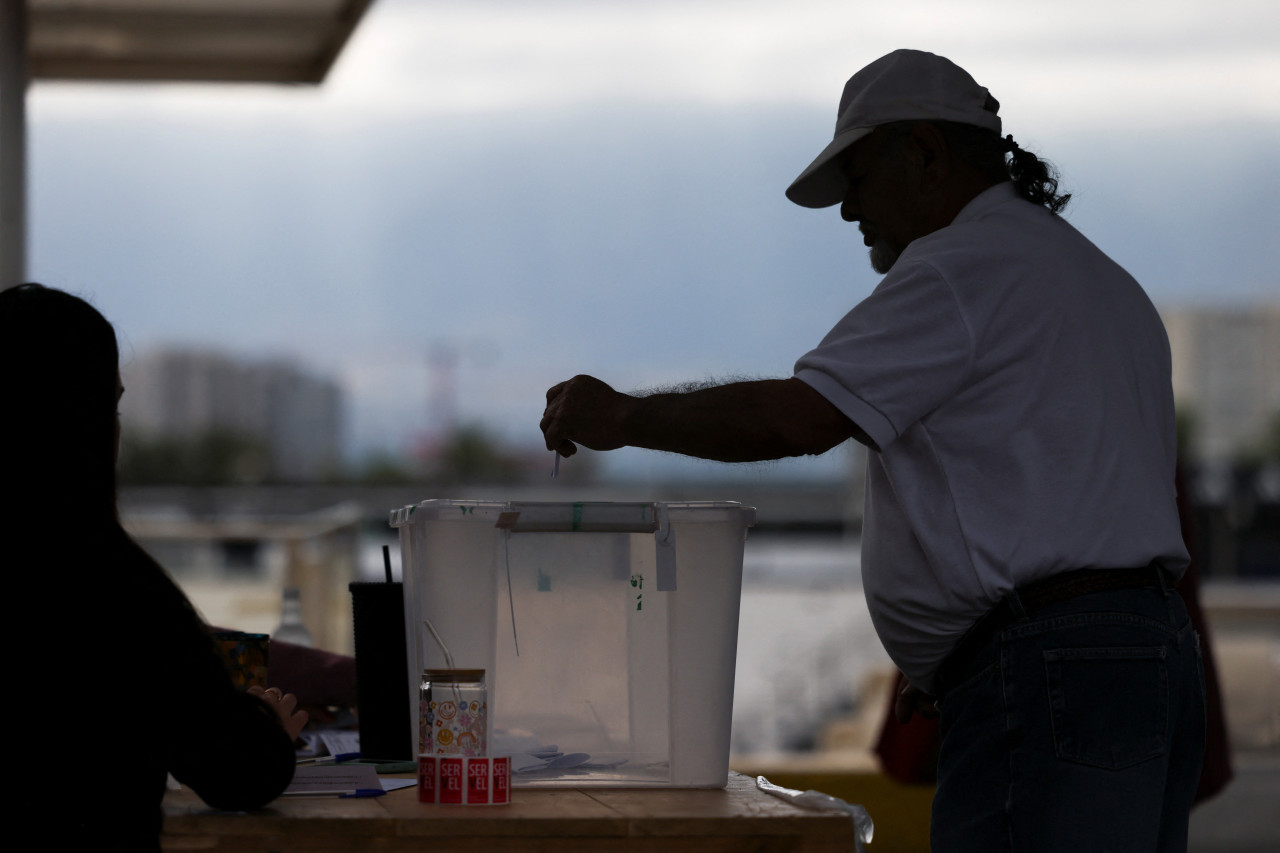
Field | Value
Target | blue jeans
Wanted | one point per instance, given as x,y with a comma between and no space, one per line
1080,728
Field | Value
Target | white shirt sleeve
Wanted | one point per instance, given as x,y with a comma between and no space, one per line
896,356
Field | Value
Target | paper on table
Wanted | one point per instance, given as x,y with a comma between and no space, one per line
332,779
341,741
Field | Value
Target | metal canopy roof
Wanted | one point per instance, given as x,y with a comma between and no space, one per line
251,41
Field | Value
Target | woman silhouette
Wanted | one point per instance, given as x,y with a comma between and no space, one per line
123,682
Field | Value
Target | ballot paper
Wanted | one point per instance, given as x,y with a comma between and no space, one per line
530,757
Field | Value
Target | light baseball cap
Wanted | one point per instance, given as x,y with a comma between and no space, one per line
905,85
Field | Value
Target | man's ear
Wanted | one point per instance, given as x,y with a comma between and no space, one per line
935,157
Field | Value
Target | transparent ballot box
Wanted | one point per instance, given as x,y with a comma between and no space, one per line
608,631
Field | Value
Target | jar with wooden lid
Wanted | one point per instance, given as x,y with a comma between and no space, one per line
453,713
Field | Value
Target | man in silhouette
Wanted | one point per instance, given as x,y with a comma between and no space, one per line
1021,534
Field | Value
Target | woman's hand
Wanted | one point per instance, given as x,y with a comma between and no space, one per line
286,707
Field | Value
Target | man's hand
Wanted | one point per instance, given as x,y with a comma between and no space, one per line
285,705
913,701
583,410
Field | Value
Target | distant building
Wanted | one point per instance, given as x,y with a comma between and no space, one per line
173,393
1226,375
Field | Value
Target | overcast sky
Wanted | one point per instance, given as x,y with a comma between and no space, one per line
1054,65
559,187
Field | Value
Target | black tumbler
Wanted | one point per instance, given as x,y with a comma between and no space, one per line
382,671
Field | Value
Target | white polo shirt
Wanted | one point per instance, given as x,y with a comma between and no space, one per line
1017,383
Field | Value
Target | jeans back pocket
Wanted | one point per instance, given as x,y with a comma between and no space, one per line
1110,706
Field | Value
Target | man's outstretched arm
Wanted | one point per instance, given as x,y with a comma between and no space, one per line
736,422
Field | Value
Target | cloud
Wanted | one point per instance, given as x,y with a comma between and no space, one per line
1087,63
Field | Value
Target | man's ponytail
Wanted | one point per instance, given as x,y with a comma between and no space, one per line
1035,179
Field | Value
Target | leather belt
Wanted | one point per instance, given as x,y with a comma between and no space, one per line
1034,597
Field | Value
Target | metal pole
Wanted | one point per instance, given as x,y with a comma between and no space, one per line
13,142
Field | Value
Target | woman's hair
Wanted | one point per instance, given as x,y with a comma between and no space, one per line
58,449
995,159
58,434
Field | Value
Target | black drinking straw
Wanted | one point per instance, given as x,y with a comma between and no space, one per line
386,561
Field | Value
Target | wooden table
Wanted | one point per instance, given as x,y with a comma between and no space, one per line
738,818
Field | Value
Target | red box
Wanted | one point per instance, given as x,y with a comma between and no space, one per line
478,781
451,781
426,779
502,780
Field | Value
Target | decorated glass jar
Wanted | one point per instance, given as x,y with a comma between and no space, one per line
453,713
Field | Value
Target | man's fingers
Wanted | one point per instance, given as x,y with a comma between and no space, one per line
910,701
904,704
553,441
551,437
551,422
563,446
